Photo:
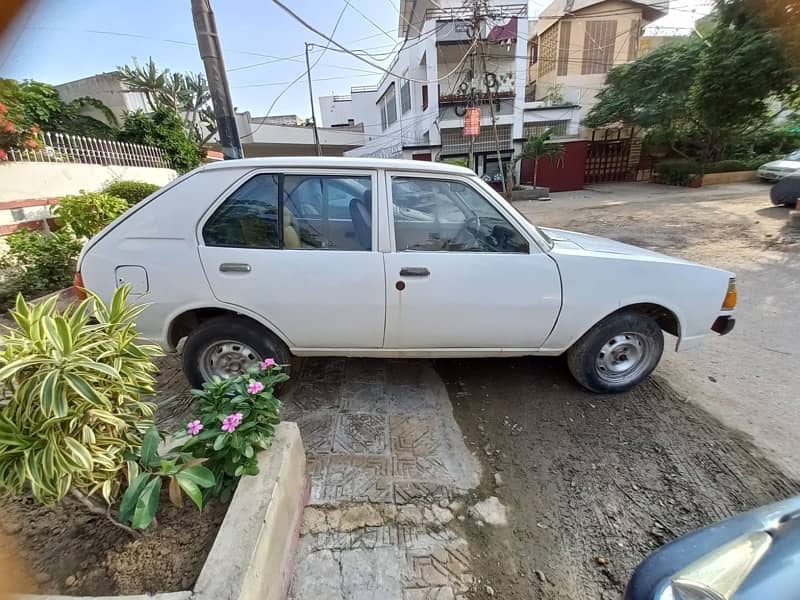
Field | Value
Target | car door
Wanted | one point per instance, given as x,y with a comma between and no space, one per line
461,273
271,246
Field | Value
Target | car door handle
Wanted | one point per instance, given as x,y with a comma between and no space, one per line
235,268
414,272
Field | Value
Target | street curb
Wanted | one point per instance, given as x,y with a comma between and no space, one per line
253,554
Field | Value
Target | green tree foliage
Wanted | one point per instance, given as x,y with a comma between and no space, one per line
163,129
38,104
132,192
712,90
538,147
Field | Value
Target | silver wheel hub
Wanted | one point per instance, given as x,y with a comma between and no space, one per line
227,358
622,357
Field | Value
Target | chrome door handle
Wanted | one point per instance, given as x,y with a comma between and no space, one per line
235,268
414,272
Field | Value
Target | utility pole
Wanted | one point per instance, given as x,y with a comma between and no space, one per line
476,33
205,28
311,100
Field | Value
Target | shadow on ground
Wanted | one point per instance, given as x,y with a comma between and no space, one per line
593,483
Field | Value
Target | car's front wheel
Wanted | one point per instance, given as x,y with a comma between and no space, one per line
227,346
617,353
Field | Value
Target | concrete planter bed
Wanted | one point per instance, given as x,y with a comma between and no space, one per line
252,554
729,177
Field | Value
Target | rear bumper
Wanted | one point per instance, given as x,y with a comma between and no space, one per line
724,325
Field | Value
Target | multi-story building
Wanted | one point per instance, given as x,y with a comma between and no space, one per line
574,43
417,111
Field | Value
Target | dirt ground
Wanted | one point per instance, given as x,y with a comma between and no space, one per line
596,483
70,551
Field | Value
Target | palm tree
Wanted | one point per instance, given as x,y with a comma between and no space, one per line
146,80
538,147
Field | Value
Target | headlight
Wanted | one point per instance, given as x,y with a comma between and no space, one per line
719,574
729,303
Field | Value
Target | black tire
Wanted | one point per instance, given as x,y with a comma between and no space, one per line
593,358
236,329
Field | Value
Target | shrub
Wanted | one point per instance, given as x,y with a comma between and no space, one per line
88,212
727,166
676,171
163,129
72,408
235,418
132,192
37,263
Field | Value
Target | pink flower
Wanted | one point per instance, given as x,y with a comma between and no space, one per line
254,387
267,363
231,422
194,427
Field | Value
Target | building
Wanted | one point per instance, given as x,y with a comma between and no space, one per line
574,43
418,110
107,88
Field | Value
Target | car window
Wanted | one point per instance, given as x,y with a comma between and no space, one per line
327,212
249,216
793,155
441,215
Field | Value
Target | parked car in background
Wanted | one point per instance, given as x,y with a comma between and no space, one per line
778,169
786,192
280,257
753,556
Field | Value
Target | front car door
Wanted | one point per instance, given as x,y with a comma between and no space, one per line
299,248
462,274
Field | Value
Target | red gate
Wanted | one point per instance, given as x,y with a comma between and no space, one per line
562,174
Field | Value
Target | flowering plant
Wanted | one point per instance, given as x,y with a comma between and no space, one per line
14,135
234,419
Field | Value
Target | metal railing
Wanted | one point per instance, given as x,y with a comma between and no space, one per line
495,11
66,148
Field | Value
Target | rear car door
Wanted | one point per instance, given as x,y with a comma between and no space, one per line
461,274
298,247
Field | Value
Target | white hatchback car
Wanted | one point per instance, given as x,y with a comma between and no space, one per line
282,257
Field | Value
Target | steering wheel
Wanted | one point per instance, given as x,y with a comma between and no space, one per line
471,228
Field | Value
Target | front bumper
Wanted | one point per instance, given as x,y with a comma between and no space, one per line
724,325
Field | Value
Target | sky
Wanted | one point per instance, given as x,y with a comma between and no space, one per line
62,40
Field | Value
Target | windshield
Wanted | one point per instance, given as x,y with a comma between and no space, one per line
793,155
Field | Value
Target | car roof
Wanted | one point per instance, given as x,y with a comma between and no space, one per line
339,162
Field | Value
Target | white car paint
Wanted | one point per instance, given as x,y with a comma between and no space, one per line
329,302
778,169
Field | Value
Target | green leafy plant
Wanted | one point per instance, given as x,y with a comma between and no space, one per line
185,475
538,147
132,192
726,166
72,407
676,171
163,129
87,213
235,418
37,263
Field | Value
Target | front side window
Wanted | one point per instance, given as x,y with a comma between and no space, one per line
322,212
441,215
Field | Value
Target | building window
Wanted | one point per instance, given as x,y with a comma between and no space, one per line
548,43
405,97
598,47
563,47
633,39
557,128
388,107
533,53
424,97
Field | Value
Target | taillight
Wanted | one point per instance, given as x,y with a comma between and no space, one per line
730,296
77,286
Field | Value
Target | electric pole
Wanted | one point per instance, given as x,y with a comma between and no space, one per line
211,52
311,100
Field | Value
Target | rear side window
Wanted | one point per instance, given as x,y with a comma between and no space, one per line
249,217
295,212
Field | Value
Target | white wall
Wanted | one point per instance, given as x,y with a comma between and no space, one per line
107,88
28,180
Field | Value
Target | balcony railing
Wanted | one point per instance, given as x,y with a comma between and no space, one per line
65,148
482,98
495,11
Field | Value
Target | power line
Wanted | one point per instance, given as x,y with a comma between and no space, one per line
313,29
373,23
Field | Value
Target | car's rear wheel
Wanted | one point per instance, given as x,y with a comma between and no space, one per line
617,353
228,346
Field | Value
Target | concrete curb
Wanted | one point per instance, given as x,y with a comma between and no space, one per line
253,555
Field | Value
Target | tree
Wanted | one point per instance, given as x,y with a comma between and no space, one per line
707,91
538,147
185,94
163,129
